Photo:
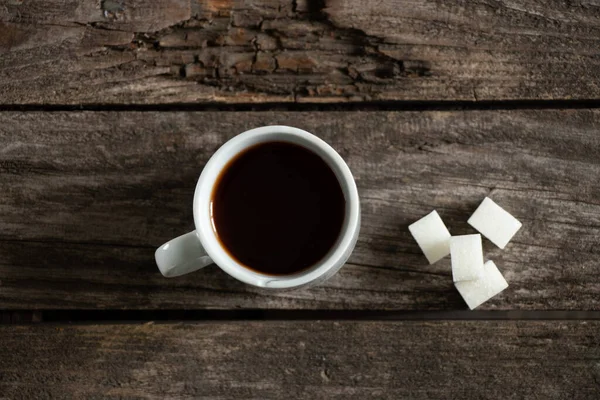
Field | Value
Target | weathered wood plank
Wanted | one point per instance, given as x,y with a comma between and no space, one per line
87,196
173,51
264,360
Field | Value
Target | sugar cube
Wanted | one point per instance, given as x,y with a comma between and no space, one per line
432,236
494,223
479,291
467,257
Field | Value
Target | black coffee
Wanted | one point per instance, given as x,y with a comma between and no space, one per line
277,208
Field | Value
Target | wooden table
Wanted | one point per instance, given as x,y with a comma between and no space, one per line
110,109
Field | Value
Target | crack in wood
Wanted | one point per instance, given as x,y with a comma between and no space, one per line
234,53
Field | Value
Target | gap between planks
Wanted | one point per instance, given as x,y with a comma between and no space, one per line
166,316
399,105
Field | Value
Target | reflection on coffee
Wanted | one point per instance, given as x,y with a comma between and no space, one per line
277,208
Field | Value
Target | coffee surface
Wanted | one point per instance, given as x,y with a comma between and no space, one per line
277,208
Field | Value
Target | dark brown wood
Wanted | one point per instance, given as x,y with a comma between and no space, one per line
87,196
320,360
173,51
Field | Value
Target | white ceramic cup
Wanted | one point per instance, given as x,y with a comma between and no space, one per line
197,249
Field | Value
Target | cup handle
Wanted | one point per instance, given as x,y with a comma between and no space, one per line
181,255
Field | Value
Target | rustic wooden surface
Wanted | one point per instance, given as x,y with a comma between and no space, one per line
232,51
87,196
317,360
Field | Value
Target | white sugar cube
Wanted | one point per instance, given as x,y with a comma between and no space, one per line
479,291
467,257
432,236
494,223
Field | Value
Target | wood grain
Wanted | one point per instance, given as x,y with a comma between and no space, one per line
274,360
87,196
229,51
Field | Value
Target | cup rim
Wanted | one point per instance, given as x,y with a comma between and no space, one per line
210,174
